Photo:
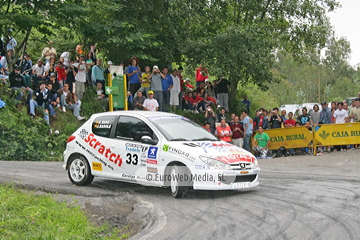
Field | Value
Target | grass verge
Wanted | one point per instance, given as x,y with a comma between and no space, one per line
24,215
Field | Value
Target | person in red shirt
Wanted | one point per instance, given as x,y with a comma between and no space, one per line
238,132
201,75
61,75
290,122
223,132
189,101
198,102
207,127
189,87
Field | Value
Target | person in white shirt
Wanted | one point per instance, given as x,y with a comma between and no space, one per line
151,104
175,90
80,79
341,116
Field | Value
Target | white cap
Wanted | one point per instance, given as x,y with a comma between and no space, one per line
155,67
187,79
109,62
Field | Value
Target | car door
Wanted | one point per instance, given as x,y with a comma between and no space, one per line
136,155
104,160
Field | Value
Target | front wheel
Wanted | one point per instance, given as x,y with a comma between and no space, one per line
79,171
179,188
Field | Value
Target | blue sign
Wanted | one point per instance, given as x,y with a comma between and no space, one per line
152,152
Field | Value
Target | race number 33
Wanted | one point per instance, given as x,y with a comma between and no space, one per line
132,159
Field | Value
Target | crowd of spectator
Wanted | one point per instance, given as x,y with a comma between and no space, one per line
59,82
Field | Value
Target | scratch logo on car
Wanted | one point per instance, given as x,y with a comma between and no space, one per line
106,152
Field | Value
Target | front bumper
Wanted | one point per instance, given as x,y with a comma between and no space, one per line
225,179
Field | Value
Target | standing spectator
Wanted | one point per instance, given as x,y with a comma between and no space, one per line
304,119
223,132
248,129
174,91
246,102
275,119
232,119
325,114
210,118
17,82
238,132
66,99
38,73
133,73
261,120
107,70
167,84
61,75
151,104
290,123
315,115
223,92
221,115
97,74
139,101
355,112
145,81
201,75
182,87
70,75
283,115
26,66
49,52
90,62
9,41
80,80
156,86
340,116
261,142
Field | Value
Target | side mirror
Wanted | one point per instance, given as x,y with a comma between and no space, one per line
147,140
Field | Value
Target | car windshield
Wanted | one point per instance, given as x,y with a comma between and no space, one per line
178,128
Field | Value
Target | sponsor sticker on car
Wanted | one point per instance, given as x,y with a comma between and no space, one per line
152,152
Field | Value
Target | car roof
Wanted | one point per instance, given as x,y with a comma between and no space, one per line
135,113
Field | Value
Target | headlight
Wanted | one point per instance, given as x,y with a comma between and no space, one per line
255,163
213,162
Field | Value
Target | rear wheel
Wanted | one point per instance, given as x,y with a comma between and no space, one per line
79,171
179,189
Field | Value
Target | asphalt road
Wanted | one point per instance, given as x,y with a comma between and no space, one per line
302,197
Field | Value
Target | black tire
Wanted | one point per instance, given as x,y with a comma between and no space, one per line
79,171
179,189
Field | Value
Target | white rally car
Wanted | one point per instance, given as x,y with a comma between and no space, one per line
158,149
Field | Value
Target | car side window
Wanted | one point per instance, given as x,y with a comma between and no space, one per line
101,126
132,128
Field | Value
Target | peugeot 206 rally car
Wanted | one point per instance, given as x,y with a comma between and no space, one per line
158,149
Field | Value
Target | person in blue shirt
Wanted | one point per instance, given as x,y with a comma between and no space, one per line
325,114
167,84
247,103
133,73
248,129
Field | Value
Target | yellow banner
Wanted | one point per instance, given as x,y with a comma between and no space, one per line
291,137
338,134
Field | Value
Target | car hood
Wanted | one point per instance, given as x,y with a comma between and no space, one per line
222,151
